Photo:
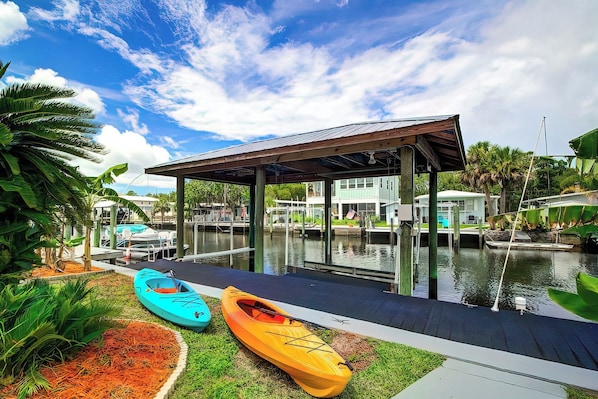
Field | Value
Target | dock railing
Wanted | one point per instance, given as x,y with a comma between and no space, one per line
359,272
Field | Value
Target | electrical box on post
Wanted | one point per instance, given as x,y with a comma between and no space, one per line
405,213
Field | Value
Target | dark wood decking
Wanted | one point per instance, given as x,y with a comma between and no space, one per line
564,341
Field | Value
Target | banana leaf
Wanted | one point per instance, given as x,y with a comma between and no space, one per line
585,303
531,218
589,214
581,231
572,214
587,288
586,151
554,216
574,304
586,145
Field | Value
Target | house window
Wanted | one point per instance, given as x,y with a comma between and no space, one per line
469,205
343,184
352,183
360,183
369,182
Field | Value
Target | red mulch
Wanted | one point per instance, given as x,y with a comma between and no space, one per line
132,362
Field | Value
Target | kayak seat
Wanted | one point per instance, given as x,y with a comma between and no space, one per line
171,290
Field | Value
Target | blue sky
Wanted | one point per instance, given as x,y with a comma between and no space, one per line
173,78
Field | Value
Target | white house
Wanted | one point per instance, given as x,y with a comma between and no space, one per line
472,206
124,215
358,196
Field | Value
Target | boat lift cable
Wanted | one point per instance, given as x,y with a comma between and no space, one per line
529,171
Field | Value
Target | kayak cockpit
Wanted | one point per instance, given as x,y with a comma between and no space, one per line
262,312
165,286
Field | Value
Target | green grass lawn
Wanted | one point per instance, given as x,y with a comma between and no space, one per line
219,367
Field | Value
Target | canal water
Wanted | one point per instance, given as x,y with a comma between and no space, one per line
470,276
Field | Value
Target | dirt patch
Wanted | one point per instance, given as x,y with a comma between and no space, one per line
132,362
355,349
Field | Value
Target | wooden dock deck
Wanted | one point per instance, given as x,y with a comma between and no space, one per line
563,341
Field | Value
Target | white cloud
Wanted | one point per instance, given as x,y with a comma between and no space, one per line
132,148
502,80
501,69
85,96
13,23
142,59
131,117
64,10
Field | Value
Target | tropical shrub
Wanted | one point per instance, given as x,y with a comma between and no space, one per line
40,323
585,302
42,135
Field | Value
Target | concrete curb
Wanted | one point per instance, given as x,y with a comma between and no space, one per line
168,386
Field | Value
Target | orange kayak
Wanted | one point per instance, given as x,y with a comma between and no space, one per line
277,337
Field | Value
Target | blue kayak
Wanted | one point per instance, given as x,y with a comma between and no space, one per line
171,299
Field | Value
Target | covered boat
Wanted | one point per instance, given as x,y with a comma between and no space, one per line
171,299
284,341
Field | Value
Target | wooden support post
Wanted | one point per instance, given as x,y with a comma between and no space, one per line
328,220
406,240
260,188
180,216
456,229
112,228
433,236
251,227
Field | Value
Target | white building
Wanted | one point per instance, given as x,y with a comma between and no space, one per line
359,196
123,214
472,206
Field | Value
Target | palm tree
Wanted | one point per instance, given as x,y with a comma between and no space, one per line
478,170
162,206
509,167
41,134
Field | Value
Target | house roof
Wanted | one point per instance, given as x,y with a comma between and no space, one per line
336,153
132,198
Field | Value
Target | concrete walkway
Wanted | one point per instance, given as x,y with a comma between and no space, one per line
458,379
469,371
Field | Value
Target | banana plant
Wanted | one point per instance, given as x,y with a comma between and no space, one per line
585,302
586,152
95,192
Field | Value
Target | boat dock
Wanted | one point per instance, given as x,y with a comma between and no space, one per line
568,342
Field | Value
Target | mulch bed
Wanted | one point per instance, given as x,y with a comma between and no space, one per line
132,362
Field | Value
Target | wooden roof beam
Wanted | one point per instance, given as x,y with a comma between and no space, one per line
426,149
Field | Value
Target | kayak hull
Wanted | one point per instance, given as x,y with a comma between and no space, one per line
171,299
285,342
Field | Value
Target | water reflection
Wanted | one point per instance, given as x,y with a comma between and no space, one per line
470,276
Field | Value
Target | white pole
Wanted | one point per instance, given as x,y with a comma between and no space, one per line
195,238
504,267
397,262
231,241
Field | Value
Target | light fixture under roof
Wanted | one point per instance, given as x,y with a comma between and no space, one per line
372,160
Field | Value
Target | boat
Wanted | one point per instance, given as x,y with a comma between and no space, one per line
171,299
546,246
142,243
286,342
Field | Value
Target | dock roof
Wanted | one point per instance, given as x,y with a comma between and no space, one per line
355,150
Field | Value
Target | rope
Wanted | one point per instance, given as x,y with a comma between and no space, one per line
529,170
